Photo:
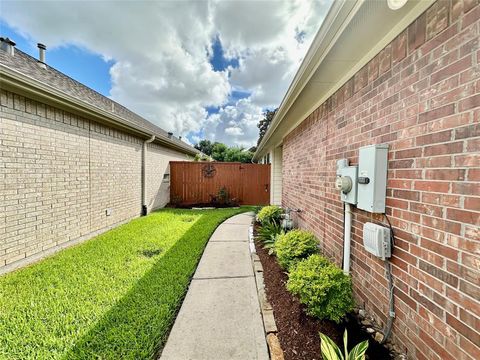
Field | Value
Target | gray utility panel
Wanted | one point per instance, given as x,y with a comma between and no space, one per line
372,178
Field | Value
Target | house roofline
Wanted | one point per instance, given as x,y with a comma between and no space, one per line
340,15
310,63
22,84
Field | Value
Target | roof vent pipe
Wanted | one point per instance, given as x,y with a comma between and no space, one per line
179,138
170,134
41,54
8,46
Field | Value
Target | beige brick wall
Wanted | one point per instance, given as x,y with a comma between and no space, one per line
59,173
115,176
157,165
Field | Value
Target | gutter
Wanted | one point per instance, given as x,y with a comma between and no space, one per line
335,18
20,83
340,16
144,175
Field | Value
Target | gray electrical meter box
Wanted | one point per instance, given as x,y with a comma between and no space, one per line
372,178
347,181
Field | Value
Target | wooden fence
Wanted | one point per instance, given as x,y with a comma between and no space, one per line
200,182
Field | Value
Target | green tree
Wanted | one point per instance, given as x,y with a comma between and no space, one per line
205,146
265,123
218,151
200,157
238,154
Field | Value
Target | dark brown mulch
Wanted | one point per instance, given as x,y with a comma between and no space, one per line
298,332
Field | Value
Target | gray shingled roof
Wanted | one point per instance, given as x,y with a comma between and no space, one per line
28,65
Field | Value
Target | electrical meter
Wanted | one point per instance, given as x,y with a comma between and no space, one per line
346,181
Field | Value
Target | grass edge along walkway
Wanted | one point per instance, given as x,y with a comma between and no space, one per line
68,306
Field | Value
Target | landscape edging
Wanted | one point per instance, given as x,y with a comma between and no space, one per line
269,324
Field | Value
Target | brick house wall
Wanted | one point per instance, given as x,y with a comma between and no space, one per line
60,172
421,95
157,164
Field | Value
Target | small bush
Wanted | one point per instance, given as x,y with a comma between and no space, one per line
268,234
294,246
322,287
270,215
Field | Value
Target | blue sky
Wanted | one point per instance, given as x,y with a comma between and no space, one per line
80,64
202,69
94,71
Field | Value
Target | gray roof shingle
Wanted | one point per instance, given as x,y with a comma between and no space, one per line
29,66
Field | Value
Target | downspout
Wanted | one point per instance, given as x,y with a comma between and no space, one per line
347,238
144,177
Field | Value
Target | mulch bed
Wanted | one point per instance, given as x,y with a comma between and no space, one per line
298,332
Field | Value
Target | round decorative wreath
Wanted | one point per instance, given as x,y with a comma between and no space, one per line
209,170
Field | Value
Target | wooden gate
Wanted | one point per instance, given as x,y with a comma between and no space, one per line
199,182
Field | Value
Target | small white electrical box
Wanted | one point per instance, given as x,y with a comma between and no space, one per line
372,178
376,240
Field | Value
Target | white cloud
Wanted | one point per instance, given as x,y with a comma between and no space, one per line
234,131
235,124
161,53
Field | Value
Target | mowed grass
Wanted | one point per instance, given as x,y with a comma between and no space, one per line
112,297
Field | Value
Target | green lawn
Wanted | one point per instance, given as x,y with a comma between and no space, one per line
112,297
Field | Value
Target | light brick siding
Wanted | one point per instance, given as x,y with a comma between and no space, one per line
157,162
421,96
276,176
59,173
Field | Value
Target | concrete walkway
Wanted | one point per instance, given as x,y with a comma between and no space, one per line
220,317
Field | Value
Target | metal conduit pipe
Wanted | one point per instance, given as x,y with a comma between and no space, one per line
347,238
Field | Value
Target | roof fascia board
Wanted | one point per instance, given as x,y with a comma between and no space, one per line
337,19
387,39
19,83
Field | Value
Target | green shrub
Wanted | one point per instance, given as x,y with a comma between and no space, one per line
322,287
268,234
270,215
294,246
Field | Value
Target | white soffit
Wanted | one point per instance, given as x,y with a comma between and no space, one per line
372,27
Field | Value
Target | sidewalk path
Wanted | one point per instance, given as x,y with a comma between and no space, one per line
220,317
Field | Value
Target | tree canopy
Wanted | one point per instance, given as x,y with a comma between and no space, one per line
265,123
205,146
221,152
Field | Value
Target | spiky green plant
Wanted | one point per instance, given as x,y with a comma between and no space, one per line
330,350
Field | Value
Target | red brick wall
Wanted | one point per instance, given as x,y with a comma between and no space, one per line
421,95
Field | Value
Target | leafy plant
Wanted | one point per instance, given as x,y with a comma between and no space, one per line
222,195
268,234
322,287
223,198
330,350
271,214
201,157
176,199
294,246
